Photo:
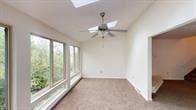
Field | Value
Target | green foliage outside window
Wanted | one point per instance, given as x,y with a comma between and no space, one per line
58,62
40,63
2,70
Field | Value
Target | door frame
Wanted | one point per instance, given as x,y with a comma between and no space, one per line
150,68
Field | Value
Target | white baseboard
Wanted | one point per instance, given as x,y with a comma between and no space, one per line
138,91
103,77
173,78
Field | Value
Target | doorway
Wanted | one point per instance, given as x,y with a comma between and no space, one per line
173,57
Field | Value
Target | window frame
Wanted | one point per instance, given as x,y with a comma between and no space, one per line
75,73
34,96
8,62
64,63
40,94
74,60
79,60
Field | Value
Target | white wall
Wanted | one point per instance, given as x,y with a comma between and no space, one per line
22,26
161,16
107,61
173,58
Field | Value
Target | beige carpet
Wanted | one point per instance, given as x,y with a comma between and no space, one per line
106,94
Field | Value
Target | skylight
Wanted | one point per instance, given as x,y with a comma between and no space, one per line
80,3
110,25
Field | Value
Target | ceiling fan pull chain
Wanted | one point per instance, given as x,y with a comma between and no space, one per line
103,43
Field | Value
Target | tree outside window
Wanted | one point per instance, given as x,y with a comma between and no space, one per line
3,72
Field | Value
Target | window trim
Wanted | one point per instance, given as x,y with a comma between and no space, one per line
8,65
76,74
35,34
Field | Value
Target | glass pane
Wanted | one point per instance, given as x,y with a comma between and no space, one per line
40,63
71,58
3,84
58,62
77,59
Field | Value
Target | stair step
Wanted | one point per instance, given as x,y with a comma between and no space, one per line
191,76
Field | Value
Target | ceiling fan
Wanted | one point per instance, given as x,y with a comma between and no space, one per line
104,29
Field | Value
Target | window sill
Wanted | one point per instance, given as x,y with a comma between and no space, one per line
75,74
42,95
56,99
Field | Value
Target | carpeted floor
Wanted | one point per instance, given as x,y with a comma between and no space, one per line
107,94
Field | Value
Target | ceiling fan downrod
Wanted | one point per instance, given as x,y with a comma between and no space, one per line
102,14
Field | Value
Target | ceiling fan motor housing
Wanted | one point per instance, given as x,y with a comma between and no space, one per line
103,27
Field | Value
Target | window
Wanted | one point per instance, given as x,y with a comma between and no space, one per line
71,56
4,68
77,60
47,69
58,62
74,60
40,63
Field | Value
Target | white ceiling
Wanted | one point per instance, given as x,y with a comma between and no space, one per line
188,30
61,14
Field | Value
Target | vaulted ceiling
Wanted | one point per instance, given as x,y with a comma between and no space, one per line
64,17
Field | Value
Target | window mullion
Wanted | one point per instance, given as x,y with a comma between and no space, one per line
51,63
7,68
64,61
74,59
79,60
68,65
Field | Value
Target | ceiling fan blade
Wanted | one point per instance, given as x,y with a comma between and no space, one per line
84,31
118,30
110,34
95,35
89,31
